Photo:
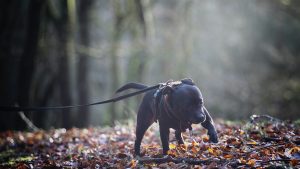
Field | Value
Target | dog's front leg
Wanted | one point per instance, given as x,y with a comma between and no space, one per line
178,137
209,125
164,136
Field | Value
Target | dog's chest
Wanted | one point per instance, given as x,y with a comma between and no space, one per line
173,123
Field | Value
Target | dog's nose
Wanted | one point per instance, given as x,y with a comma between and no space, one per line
200,117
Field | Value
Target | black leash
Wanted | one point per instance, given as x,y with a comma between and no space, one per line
26,109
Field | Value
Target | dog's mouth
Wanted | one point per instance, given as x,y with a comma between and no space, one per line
198,119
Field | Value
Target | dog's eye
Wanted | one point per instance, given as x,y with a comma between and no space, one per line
199,101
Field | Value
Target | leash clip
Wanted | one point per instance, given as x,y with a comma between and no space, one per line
161,86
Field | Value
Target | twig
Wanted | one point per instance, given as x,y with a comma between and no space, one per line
175,160
28,122
256,118
269,139
191,161
276,160
266,146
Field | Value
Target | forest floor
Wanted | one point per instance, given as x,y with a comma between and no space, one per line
263,142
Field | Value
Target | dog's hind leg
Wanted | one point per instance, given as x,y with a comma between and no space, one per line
144,120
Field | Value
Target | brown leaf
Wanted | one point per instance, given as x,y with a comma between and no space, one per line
251,162
122,155
254,156
132,164
228,156
294,162
22,166
205,138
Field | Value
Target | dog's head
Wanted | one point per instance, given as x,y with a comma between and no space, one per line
187,102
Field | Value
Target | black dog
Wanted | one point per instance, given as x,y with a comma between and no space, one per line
175,105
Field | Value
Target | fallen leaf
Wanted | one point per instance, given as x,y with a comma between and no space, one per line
172,146
252,142
294,162
251,162
205,138
228,156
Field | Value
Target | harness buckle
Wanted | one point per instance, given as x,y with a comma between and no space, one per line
161,85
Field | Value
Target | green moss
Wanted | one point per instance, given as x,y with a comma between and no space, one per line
13,161
297,123
6,154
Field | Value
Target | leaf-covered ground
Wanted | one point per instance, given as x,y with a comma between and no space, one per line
264,142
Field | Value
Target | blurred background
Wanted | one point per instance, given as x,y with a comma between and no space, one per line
243,55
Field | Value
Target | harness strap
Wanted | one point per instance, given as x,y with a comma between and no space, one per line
171,113
168,108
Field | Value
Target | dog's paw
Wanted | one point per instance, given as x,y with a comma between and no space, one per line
138,157
213,137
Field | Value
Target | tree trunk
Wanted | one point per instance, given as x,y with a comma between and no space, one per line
66,35
115,72
83,64
10,19
137,61
28,57
140,37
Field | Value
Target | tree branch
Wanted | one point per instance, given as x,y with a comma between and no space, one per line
29,123
166,159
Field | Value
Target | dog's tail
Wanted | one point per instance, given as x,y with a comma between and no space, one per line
131,86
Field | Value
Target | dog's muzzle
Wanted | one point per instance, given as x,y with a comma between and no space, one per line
198,118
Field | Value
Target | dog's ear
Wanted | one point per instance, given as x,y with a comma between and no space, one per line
188,81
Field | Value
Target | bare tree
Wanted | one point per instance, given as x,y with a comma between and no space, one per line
115,45
83,64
